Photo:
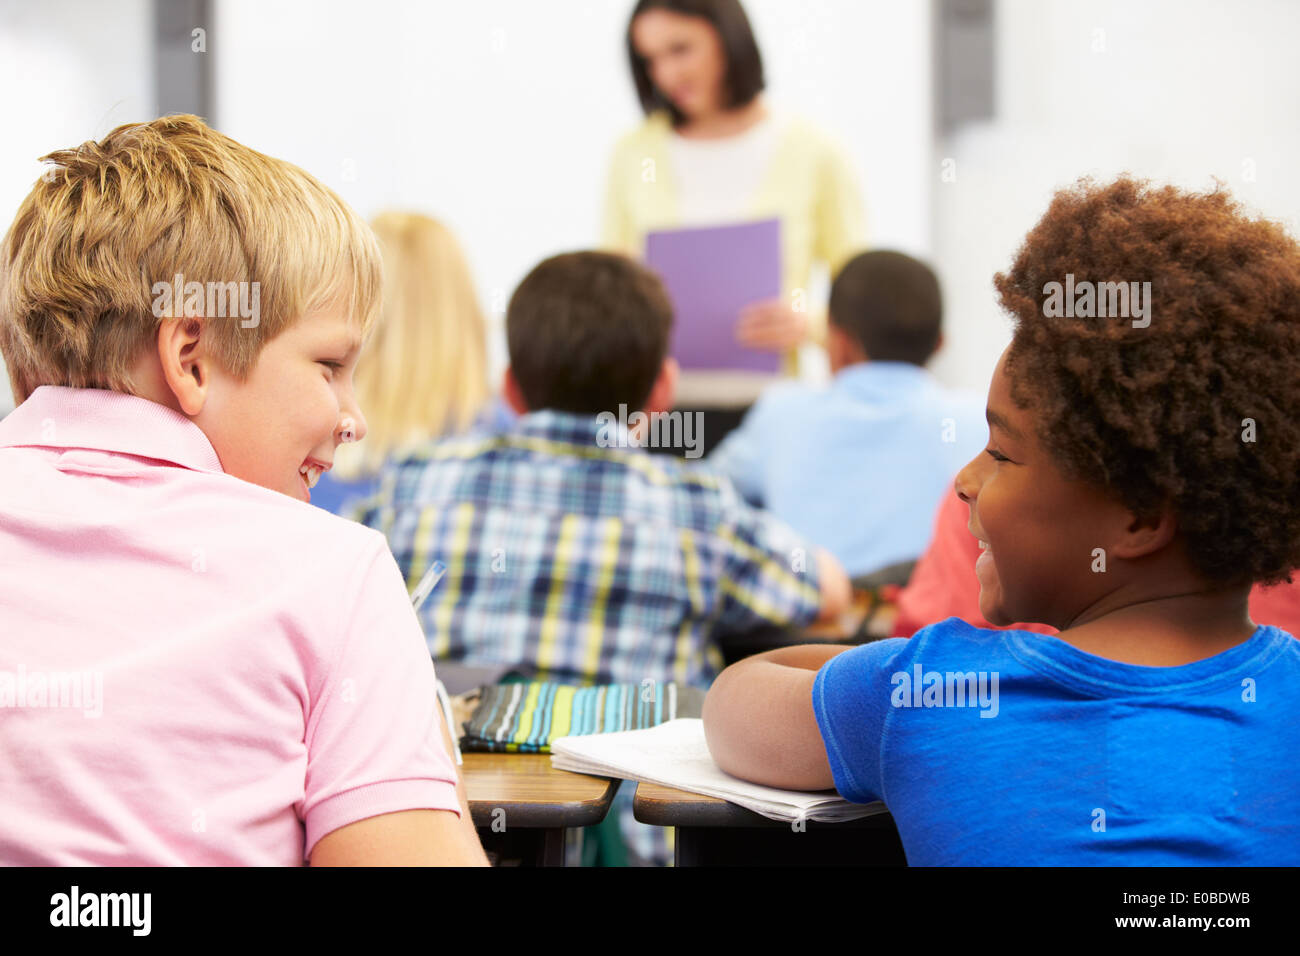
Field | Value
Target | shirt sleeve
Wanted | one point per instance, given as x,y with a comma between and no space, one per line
374,742
851,699
769,574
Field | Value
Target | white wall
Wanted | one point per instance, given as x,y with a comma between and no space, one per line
70,71
498,116
1176,90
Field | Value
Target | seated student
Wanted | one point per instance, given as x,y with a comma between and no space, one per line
944,584
573,555
425,372
858,466
1160,440
198,668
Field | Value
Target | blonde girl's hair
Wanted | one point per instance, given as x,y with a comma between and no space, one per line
424,370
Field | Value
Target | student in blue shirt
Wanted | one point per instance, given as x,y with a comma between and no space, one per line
1143,470
860,466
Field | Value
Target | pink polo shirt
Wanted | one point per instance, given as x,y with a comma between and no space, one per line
193,669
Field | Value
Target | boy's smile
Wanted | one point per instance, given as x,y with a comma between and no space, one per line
311,470
280,428
1041,531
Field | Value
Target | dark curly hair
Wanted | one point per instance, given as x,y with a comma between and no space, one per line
1157,416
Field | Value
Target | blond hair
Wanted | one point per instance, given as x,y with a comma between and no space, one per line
424,373
153,201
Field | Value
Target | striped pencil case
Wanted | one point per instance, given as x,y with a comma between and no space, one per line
525,718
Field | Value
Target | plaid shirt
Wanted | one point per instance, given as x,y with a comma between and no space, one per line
569,561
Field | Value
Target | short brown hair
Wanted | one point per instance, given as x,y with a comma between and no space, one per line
588,331
890,304
147,203
1195,411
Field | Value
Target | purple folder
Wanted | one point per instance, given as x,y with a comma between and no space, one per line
711,274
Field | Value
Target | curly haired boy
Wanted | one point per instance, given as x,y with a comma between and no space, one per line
1140,475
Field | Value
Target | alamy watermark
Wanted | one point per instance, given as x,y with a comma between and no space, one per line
1101,300
75,908
212,300
922,688
652,430
73,690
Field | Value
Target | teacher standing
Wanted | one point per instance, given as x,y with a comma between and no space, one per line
710,152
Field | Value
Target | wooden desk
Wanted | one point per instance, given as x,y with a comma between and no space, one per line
522,806
713,832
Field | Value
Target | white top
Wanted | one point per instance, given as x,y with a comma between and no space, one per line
717,179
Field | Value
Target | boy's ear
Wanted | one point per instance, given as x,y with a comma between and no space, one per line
842,349
514,395
1144,536
664,391
184,363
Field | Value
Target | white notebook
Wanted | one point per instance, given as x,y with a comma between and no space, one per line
675,754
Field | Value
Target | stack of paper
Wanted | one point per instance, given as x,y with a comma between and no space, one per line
675,754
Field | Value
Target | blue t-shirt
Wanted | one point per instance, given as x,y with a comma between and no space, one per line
1013,748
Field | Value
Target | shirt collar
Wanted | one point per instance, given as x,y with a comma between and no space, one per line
104,420
605,430
869,379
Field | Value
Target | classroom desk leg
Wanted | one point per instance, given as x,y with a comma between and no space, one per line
777,846
524,847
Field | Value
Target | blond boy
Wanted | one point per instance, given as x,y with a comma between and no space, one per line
197,668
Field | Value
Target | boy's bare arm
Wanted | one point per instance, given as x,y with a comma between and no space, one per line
408,837
405,838
759,720
466,819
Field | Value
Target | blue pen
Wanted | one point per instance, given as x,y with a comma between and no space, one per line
427,584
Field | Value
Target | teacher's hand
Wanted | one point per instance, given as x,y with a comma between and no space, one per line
772,326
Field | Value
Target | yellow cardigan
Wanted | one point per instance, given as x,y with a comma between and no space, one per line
809,186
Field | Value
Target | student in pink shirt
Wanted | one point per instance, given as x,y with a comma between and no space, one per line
196,666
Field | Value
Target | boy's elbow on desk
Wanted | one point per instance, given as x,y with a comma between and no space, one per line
759,721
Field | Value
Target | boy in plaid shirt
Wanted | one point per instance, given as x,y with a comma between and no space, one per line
573,554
